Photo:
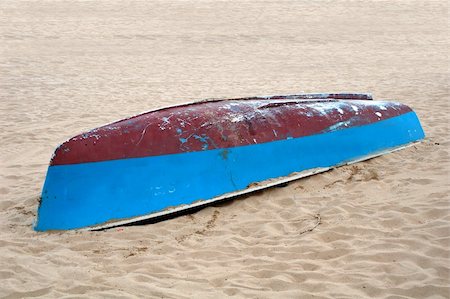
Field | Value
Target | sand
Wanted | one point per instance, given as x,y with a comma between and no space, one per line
384,231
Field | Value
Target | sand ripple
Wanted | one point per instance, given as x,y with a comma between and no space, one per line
378,229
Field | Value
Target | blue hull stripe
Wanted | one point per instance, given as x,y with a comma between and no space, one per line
88,194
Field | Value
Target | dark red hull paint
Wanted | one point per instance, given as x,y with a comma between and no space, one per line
223,124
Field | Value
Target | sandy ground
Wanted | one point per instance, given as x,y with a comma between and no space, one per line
69,66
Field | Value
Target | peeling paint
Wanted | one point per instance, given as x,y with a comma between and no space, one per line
237,118
338,125
165,123
224,123
204,140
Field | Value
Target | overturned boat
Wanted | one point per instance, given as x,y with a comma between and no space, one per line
177,158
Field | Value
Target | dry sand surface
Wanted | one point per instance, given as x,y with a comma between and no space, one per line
69,66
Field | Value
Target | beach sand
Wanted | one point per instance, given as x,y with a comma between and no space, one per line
384,231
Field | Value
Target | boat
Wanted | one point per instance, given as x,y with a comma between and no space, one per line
174,159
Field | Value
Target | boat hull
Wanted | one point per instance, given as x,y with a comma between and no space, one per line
103,194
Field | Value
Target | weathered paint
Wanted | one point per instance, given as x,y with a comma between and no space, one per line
196,153
221,124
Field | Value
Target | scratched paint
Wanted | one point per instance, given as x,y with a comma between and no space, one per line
224,124
87,194
211,148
